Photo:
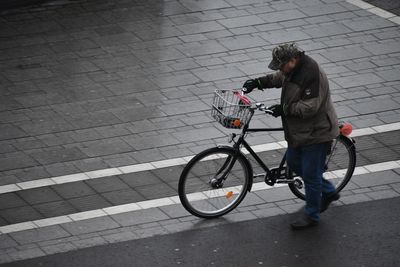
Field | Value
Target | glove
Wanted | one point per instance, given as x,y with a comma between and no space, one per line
277,110
251,84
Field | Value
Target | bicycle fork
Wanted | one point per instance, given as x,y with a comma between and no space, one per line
218,182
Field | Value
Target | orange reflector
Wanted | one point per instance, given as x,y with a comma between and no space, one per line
236,123
346,129
229,194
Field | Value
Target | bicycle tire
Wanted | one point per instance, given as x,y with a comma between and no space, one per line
203,159
349,145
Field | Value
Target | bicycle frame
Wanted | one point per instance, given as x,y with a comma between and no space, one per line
272,176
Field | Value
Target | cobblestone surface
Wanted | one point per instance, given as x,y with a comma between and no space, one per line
173,218
391,6
64,199
109,84
91,85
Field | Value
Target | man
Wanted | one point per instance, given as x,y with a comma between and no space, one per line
309,121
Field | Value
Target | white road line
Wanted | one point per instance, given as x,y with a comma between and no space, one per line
376,10
382,166
12,228
9,188
70,178
163,163
155,203
37,183
103,173
137,168
87,215
360,4
53,221
386,127
121,208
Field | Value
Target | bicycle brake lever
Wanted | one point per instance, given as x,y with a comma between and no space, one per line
268,111
262,107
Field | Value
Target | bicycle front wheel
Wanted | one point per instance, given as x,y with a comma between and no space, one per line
339,167
214,182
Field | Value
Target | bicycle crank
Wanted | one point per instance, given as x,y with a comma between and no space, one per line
298,183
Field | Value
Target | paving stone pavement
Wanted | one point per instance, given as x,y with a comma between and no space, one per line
63,199
93,85
392,6
173,218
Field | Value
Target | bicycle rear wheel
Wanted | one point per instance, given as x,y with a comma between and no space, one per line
339,167
214,182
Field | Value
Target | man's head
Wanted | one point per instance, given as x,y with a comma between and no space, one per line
285,57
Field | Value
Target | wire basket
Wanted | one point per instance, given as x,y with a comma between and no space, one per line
230,108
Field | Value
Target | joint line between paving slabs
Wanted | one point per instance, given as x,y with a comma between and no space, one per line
163,163
165,201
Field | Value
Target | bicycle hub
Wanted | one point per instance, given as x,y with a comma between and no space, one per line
215,183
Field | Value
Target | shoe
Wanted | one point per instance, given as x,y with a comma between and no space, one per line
303,223
327,201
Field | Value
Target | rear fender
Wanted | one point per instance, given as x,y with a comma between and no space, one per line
350,141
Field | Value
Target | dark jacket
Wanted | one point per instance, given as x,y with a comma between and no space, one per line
310,116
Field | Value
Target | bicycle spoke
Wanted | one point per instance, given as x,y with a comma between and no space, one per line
214,183
339,167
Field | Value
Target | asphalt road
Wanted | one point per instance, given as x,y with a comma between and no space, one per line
364,234
392,6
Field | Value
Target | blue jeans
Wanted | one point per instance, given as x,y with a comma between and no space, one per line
308,162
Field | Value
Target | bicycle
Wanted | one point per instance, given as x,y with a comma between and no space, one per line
212,192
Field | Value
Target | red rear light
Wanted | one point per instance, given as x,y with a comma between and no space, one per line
346,129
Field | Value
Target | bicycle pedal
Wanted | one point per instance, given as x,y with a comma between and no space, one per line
269,182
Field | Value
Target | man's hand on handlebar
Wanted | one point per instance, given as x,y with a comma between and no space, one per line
249,85
278,110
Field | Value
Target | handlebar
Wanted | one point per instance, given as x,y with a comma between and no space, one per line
244,90
262,107
259,106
